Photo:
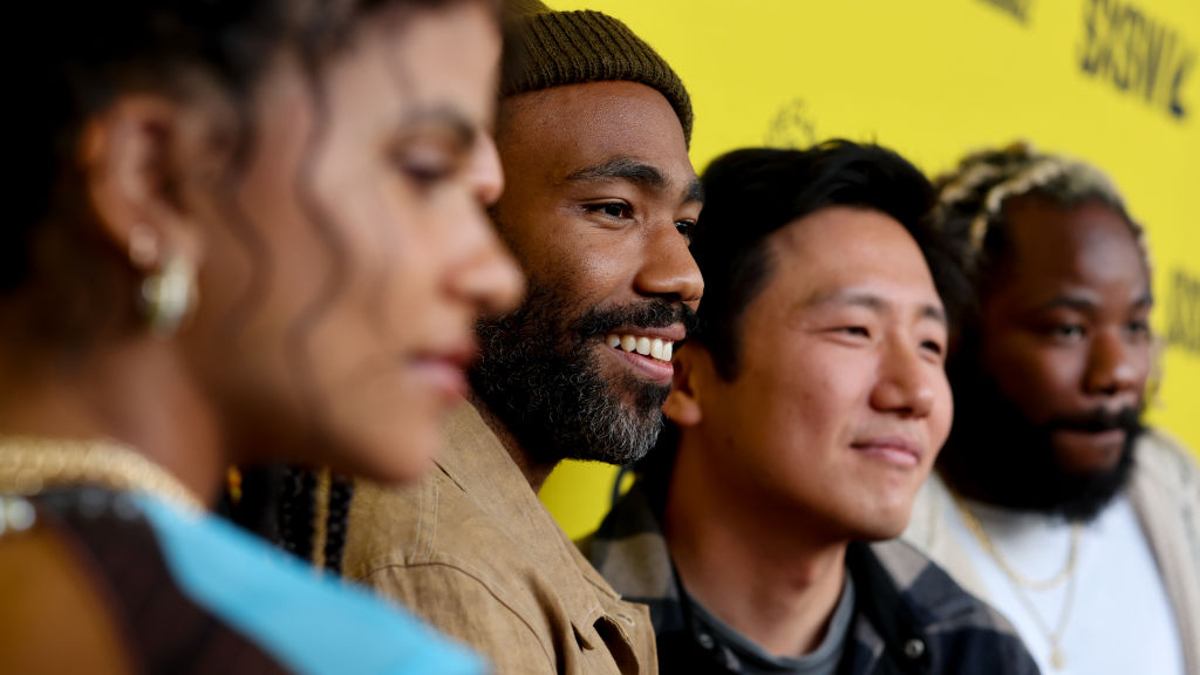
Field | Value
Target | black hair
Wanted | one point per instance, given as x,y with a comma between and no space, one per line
754,192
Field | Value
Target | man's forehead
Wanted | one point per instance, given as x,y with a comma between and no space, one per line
586,123
846,256
845,241
1061,251
827,285
1045,235
561,101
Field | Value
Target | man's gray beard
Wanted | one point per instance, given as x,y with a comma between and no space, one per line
539,373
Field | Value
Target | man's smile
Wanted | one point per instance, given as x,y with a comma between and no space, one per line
654,347
647,350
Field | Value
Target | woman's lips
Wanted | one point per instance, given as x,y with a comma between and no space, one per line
444,370
444,376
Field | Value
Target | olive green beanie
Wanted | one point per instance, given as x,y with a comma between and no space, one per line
558,48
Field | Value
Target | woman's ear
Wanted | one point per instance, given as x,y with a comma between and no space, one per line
133,157
692,366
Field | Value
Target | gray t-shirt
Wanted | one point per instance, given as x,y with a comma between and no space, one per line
744,656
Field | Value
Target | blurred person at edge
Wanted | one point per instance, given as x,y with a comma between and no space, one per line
592,130
1051,500
242,232
807,410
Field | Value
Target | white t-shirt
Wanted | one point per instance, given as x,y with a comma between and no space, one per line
1120,620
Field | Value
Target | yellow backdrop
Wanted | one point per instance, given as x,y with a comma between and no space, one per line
1112,82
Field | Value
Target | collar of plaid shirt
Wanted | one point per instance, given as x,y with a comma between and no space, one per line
909,615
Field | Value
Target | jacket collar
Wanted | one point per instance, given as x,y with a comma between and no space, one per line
477,462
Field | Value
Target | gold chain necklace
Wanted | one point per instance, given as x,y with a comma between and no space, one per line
30,465
1053,637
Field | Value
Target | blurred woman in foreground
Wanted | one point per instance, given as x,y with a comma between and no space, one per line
235,227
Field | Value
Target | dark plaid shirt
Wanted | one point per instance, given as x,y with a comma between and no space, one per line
910,617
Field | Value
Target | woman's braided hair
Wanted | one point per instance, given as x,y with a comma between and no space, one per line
314,511
337,518
297,511
305,511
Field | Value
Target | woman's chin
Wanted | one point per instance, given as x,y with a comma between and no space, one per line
400,455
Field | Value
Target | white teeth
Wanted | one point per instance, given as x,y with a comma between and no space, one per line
655,348
643,346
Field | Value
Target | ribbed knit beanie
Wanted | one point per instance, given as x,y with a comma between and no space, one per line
559,48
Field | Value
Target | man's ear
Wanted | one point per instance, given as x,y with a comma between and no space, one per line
134,156
693,366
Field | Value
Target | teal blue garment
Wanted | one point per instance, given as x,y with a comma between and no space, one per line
310,622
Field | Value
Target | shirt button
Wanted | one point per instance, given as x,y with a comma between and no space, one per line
914,648
705,640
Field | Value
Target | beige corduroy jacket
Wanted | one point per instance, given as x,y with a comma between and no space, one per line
473,551
1165,492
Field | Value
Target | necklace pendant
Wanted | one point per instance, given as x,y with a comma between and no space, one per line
1057,659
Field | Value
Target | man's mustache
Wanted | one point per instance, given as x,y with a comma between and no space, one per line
655,313
1100,420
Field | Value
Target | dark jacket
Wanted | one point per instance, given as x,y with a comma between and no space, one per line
910,617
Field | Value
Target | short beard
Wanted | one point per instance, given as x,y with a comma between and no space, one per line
539,374
996,455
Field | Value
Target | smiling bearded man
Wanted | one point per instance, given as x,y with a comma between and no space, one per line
546,375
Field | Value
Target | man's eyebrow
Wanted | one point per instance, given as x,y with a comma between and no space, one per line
622,168
695,192
935,313
1076,302
874,303
1083,303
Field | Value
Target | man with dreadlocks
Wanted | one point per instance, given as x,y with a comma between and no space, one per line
1051,500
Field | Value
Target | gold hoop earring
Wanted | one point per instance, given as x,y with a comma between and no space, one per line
168,295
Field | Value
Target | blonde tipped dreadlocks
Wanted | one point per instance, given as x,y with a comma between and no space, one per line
971,198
